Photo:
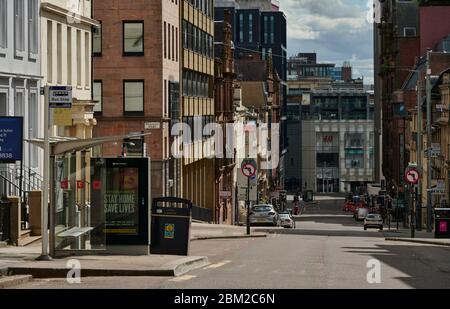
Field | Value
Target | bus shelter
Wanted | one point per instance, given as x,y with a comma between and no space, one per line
96,205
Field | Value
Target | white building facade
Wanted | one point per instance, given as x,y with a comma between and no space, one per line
338,142
20,78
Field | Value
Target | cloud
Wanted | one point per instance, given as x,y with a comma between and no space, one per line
336,29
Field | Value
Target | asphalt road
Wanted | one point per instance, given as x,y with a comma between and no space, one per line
326,250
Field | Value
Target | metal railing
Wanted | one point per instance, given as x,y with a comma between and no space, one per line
13,182
202,214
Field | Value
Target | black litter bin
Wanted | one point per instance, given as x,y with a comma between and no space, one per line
442,223
5,210
170,226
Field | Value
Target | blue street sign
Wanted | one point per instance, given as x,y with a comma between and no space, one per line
11,139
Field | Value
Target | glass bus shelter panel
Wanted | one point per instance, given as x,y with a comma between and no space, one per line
79,219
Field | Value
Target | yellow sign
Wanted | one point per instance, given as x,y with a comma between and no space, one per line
62,116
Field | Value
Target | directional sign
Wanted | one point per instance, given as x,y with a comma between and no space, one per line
412,176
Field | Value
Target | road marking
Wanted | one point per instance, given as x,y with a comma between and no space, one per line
213,266
183,278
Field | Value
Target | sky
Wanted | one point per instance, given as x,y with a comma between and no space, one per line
337,30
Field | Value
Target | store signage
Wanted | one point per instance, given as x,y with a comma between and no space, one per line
11,139
328,139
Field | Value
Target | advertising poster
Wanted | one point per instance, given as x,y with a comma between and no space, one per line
121,200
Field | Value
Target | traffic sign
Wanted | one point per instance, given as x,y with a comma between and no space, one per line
248,168
412,176
60,96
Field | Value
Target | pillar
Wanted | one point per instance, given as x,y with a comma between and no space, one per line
34,204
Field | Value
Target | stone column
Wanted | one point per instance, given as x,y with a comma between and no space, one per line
34,204
14,220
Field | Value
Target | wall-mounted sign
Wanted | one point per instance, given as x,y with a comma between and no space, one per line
152,125
11,139
328,138
435,150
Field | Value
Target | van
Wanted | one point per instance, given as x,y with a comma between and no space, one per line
362,213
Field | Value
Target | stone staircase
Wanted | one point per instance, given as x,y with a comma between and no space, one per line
27,239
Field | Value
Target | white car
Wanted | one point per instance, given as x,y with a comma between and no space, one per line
373,221
287,221
264,214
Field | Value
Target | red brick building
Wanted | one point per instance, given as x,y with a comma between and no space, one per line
136,81
224,78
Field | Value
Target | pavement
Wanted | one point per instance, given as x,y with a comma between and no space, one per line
420,237
328,249
19,261
201,231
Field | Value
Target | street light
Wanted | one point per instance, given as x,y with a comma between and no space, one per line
419,151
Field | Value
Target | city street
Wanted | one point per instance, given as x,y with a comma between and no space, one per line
328,249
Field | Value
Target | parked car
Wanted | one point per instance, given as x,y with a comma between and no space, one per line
361,214
264,214
287,221
373,221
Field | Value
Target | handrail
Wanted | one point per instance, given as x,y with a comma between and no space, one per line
10,182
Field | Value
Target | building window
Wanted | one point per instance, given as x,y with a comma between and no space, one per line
133,97
3,103
79,66
97,40
97,95
409,31
33,128
133,38
177,47
272,29
354,150
59,53
3,24
49,51
250,28
266,29
173,43
168,41
33,26
69,55
19,29
19,104
87,63
241,27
